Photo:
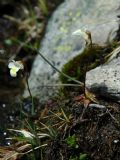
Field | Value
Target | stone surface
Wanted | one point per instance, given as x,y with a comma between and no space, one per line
58,44
105,80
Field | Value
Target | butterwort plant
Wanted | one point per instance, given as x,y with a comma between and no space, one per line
14,67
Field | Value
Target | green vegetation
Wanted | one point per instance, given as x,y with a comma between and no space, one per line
36,134
72,141
82,156
43,6
90,58
47,129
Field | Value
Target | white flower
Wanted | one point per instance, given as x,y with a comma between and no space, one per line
85,34
80,32
15,66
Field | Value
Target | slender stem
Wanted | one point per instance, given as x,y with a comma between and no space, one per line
63,84
33,109
65,75
28,87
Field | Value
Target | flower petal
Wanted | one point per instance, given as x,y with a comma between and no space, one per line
11,65
82,33
15,66
77,32
13,72
19,64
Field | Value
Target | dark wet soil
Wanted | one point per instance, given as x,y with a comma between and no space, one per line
96,131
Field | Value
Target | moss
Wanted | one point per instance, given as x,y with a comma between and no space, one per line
90,58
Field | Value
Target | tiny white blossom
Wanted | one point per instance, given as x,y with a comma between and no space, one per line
85,34
80,32
15,66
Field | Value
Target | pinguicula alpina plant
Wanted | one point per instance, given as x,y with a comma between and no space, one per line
86,35
14,67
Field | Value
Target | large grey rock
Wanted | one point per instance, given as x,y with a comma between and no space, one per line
105,80
59,45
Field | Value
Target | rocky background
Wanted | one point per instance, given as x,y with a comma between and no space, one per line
79,123
59,45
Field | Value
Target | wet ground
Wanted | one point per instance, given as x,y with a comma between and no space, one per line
91,133
97,132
